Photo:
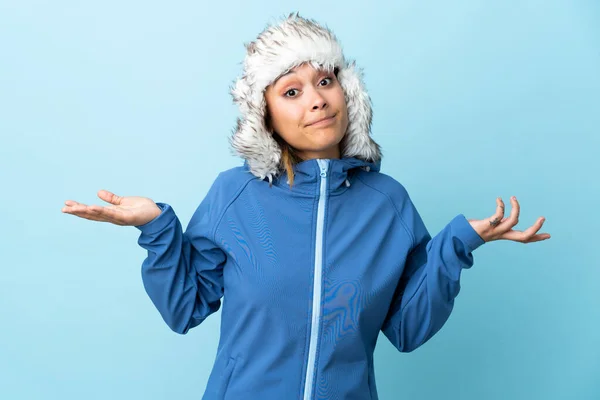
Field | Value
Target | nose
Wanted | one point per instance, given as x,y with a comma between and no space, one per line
318,102
321,104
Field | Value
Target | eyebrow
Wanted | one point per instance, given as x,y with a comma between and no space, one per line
319,72
284,75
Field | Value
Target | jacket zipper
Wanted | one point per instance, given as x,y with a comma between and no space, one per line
316,305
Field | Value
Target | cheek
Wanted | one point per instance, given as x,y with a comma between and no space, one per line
338,100
342,106
287,117
342,100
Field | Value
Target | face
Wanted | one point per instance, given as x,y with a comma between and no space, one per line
297,101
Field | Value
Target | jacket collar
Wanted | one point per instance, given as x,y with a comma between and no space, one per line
339,171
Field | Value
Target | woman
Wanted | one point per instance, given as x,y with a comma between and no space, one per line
312,249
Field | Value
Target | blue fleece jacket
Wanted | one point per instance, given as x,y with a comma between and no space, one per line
306,276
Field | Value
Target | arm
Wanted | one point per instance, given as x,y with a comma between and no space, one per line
183,272
430,281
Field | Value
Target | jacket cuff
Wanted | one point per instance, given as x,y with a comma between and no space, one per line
159,223
462,229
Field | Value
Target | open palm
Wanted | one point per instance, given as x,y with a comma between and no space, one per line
131,210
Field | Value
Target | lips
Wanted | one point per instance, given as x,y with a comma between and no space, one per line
322,119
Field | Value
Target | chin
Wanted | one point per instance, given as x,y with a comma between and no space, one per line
326,142
324,147
321,140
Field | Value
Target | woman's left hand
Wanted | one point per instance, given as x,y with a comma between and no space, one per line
499,228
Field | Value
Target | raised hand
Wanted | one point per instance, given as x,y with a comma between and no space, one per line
499,228
133,211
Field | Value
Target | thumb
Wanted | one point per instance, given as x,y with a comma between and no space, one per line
109,197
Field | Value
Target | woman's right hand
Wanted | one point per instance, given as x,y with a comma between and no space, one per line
132,210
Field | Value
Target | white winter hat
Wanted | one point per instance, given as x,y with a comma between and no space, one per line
277,50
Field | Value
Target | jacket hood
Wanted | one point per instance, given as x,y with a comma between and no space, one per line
278,49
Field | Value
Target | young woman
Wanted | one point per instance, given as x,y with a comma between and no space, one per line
312,249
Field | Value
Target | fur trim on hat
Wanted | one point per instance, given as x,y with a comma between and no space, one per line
277,50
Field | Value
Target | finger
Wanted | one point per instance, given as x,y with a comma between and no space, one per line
539,237
521,238
513,218
528,235
78,209
531,231
72,203
110,197
496,219
96,213
81,212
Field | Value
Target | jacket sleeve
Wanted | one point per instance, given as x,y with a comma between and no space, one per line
430,281
183,272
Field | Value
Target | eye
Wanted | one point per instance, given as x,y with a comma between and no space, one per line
291,90
330,79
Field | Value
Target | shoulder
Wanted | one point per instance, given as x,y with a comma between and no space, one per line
386,185
398,197
224,190
230,183
234,177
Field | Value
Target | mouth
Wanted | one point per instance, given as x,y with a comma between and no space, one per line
323,121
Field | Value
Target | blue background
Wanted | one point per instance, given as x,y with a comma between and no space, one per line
472,100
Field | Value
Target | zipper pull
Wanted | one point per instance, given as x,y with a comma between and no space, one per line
323,164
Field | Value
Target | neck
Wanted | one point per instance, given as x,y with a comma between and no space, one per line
330,153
